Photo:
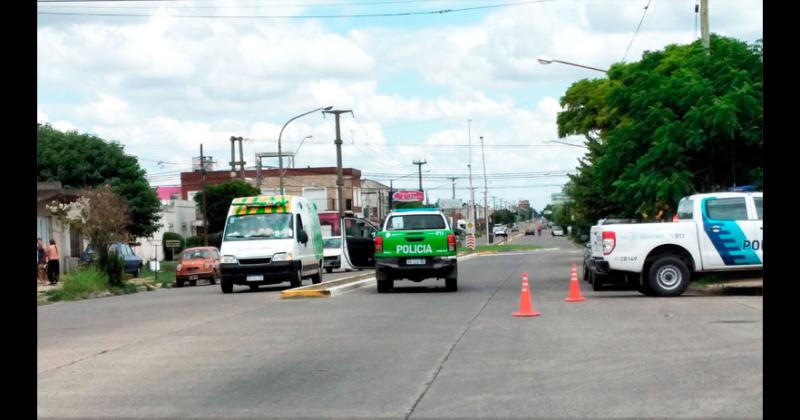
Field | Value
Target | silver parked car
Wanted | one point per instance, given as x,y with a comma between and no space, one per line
557,231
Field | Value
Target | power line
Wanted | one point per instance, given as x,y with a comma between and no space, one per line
364,15
637,30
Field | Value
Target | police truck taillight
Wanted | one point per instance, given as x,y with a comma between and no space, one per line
379,244
609,242
451,242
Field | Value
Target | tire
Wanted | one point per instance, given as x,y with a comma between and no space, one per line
179,282
668,276
586,274
226,286
214,278
451,281
193,282
597,281
297,280
385,283
317,278
645,289
329,270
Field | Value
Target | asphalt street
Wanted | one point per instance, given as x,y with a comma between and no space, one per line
417,352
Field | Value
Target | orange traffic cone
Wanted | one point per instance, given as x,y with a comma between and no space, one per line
525,305
574,288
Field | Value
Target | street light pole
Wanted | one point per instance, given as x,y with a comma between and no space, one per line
298,148
485,191
280,155
548,60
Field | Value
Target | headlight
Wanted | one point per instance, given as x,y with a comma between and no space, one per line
206,264
178,268
282,256
229,259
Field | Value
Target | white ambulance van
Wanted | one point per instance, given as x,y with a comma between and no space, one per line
269,240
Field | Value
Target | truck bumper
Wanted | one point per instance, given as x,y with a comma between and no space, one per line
598,265
397,268
274,272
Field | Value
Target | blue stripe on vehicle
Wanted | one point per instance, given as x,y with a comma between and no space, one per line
728,241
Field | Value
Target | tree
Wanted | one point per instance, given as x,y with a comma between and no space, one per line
677,122
219,198
87,161
503,217
101,216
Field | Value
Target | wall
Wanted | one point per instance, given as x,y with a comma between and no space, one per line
176,216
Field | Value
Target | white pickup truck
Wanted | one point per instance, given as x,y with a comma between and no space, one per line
712,232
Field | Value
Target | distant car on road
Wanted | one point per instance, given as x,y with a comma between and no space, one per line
557,231
332,253
530,232
500,230
198,263
133,262
514,228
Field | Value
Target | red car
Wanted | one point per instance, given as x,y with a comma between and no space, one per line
198,263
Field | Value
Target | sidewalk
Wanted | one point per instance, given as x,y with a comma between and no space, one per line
751,286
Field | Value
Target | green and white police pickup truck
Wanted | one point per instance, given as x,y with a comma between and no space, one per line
414,244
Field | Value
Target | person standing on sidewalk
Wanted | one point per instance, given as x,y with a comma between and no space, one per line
539,229
52,262
41,261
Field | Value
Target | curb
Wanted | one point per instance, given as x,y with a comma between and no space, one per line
331,288
744,288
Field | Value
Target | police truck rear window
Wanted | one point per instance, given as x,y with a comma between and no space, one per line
416,222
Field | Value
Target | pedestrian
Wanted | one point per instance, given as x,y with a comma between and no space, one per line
52,262
539,229
41,261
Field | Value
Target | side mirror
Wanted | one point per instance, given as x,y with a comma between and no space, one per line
302,236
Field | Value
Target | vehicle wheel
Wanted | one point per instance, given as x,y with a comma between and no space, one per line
385,283
668,276
193,282
297,280
451,281
329,270
586,274
597,281
253,287
179,282
317,278
226,285
645,289
214,277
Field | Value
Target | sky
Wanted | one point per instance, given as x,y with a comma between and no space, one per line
421,85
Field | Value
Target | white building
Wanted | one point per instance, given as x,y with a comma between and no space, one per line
177,216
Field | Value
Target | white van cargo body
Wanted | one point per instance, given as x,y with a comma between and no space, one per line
271,239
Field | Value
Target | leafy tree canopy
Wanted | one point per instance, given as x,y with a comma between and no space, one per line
218,201
87,161
677,122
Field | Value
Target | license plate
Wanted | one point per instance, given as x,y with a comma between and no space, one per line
415,261
255,278
192,277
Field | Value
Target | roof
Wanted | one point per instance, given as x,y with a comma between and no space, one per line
725,194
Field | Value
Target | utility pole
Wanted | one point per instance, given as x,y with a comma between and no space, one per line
469,165
485,190
454,186
338,142
419,166
704,26
205,216
241,161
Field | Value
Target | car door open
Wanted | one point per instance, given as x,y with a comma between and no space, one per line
358,242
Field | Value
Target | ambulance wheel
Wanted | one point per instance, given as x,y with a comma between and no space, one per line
297,279
329,270
226,285
317,278
668,276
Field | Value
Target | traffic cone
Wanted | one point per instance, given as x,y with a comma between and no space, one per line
574,287
525,305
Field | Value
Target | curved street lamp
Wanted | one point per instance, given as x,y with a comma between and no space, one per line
547,60
280,156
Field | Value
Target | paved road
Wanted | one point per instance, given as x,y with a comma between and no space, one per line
417,352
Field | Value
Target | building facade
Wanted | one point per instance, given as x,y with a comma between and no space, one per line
177,215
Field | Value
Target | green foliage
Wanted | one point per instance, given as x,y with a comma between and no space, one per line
82,284
677,122
219,198
84,160
194,241
407,205
172,236
114,266
503,217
